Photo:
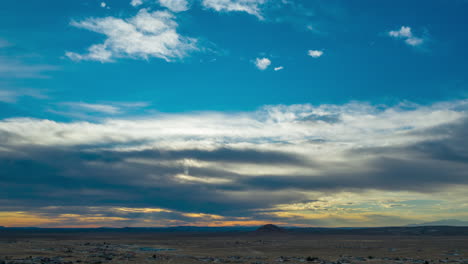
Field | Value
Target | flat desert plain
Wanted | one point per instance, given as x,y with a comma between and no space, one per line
227,247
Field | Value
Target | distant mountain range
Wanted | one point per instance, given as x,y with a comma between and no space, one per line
268,230
445,222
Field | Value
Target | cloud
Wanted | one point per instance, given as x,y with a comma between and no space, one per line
108,109
136,2
262,63
407,35
12,96
175,5
13,68
251,7
292,164
147,35
83,110
281,124
315,53
279,68
172,5
4,43
310,28
404,32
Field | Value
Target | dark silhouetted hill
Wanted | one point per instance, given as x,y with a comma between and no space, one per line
270,228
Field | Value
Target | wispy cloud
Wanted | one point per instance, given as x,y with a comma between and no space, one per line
278,68
13,95
102,108
175,5
4,43
136,2
252,7
262,63
147,35
82,109
407,35
13,68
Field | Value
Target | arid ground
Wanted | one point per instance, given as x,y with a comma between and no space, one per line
228,247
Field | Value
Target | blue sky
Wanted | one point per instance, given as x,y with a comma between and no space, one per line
221,85
360,61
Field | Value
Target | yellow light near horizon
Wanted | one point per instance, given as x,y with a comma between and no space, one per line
237,223
22,219
201,215
141,210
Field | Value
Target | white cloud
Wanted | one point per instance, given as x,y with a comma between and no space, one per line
103,5
144,36
404,32
295,128
175,5
251,7
262,63
315,53
407,35
414,41
136,2
279,68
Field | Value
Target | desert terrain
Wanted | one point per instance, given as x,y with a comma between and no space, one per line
148,246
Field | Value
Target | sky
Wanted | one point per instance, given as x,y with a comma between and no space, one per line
328,113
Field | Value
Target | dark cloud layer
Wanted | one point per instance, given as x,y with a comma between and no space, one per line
218,155
381,173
